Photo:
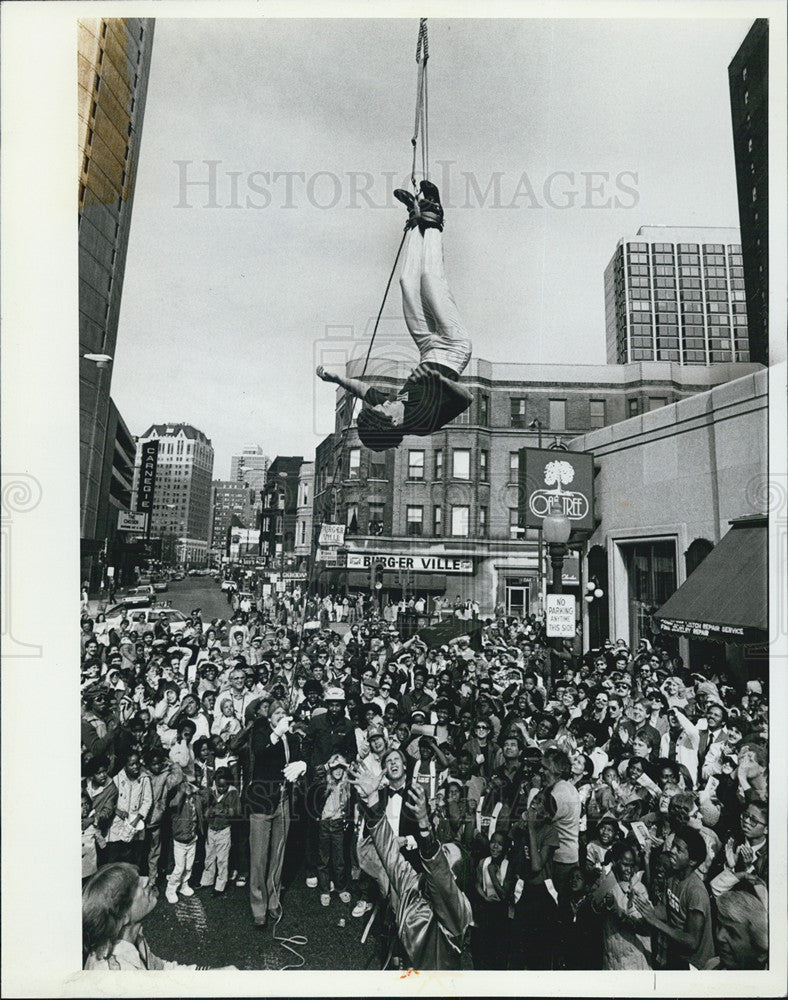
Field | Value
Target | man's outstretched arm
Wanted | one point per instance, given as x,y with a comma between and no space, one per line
351,385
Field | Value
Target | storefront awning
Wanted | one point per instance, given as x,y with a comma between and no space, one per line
726,598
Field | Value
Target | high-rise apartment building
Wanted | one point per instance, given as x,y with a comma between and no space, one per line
113,57
250,467
748,77
182,492
230,500
677,294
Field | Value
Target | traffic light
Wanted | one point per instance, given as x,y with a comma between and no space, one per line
376,576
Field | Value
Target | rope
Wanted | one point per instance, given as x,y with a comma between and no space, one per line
297,939
420,121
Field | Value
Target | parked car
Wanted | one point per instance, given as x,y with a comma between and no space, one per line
160,586
144,618
229,585
138,597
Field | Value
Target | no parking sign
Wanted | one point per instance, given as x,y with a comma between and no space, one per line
560,616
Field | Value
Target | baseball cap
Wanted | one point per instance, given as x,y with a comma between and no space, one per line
334,694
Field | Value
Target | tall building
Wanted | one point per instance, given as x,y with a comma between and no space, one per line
113,61
442,512
677,294
748,77
250,467
182,492
115,498
230,500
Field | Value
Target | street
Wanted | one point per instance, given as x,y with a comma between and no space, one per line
201,592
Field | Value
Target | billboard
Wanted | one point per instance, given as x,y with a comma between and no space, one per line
147,481
565,478
414,562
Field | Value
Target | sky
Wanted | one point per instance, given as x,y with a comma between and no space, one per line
550,140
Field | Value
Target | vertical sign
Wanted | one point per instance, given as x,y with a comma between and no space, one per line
145,487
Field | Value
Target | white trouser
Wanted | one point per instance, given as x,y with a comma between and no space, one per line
217,856
184,860
428,304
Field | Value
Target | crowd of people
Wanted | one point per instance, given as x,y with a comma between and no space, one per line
487,801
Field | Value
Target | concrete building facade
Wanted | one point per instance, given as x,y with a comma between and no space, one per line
677,294
113,60
668,485
304,510
182,494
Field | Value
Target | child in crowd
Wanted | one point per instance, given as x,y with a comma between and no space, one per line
185,814
222,806
607,833
334,817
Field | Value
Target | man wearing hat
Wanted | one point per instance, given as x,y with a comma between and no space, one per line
328,734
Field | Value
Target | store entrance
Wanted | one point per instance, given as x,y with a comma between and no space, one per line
651,572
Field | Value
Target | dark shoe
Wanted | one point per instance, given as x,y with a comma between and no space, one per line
259,925
409,201
219,892
430,208
429,192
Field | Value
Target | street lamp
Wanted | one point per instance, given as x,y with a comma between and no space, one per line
536,425
556,528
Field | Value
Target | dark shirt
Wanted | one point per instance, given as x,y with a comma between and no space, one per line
430,401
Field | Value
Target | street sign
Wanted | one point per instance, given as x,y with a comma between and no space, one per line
560,616
565,478
131,521
332,535
328,555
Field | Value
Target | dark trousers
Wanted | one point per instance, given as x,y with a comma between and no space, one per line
490,939
331,855
562,880
120,850
536,929
312,850
239,846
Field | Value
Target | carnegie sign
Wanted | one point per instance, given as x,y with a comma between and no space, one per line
562,478
413,561
147,483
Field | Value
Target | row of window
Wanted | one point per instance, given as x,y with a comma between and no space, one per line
459,520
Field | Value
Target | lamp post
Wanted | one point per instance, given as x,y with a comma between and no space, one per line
536,424
557,528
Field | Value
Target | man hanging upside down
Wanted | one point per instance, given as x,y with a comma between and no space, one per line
432,395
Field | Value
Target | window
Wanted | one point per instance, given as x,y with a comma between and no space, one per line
354,463
482,522
597,412
518,412
484,409
633,407
377,466
415,517
557,414
438,464
415,464
461,463
483,460
376,519
459,521
515,531
437,521
351,518
514,466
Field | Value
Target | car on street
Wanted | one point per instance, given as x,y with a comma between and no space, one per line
145,618
160,586
229,585
138,597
